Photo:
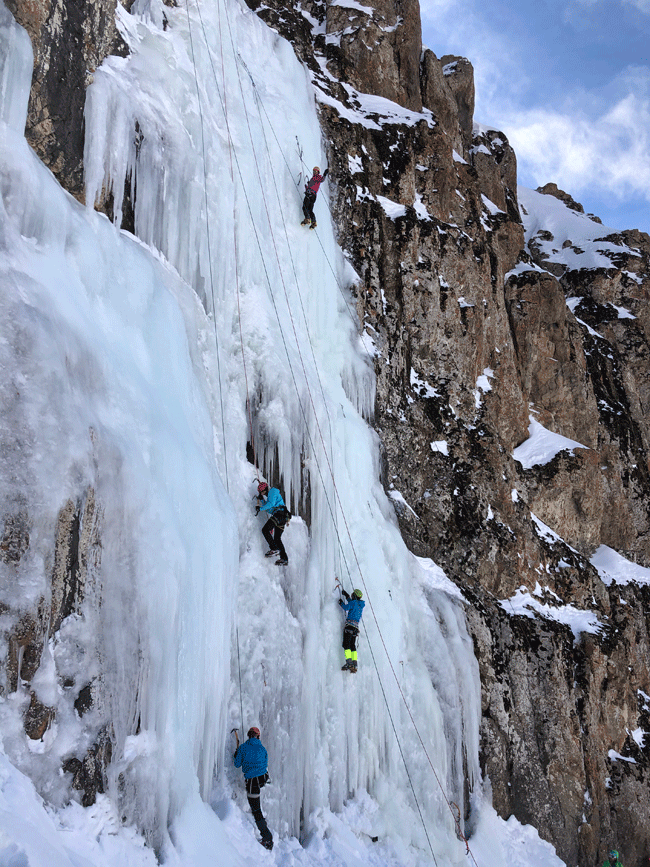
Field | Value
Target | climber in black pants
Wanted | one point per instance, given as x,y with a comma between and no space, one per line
252,758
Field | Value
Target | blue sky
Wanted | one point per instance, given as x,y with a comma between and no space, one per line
569,84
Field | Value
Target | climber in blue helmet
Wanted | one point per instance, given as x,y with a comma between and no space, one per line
612,859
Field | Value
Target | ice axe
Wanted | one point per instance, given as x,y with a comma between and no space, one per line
236,735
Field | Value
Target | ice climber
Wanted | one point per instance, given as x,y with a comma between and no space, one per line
354,608
612,859
252,758
311,190
270,500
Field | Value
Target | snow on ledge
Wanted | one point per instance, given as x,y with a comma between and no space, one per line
351,4
617,757
523,603
398,497
613,568
542,446
392,209
492,208
436,579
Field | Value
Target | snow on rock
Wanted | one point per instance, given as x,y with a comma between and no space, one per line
565,236
523,603
617,757
542,446
393,210
397,497
496,842
614,568
491,207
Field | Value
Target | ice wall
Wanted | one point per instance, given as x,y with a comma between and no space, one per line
108,399
144,398
16,62
218,178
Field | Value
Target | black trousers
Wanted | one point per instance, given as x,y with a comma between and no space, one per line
308,206
273,535
350,633
253,789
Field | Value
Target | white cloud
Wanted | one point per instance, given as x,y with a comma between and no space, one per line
583,138
598,147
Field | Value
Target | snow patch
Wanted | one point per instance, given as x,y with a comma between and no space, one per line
542,446
614,568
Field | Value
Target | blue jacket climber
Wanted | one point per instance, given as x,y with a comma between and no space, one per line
273,501
353,606
252,758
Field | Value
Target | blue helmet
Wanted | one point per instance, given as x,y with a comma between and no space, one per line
613,855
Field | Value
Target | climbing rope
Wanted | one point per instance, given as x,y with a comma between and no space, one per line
234,231
207,232
353,317
338,498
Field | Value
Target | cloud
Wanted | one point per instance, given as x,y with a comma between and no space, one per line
584,138
606,153
465,27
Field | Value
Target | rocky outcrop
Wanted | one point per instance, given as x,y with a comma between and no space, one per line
552,190
70,39
35,639
377,48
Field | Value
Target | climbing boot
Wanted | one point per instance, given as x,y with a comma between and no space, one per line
347,666
313,225
271,553
281,562
305,221
353,667
268,844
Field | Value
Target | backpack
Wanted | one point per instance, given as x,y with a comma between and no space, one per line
281,517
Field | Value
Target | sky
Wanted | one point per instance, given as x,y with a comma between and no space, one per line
568,81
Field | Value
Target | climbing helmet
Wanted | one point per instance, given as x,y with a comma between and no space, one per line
262,487
253,732
613,855
357,594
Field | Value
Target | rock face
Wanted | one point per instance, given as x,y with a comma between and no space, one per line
46,634
70,39
479,320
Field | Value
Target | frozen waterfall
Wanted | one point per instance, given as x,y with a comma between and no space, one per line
128,363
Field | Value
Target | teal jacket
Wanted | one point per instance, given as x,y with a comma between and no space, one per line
609,863
273,501
252,758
